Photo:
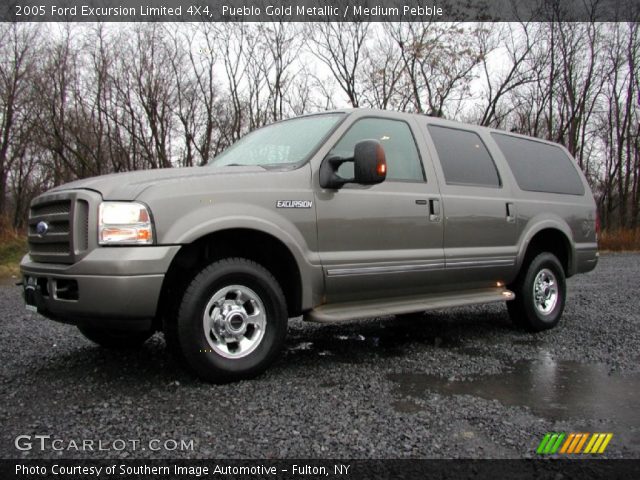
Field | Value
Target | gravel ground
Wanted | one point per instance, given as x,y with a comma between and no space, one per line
450,384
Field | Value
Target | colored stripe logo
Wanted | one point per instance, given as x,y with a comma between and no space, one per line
574,443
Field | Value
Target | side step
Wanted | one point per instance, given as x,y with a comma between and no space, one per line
342,312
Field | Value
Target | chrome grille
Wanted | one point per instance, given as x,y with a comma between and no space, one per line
55,244
66,216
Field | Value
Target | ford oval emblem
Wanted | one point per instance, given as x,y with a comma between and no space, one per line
42,228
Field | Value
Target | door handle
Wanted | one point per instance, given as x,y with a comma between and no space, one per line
434,210
511,212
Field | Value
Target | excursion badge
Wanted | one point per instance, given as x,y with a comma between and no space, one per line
294,204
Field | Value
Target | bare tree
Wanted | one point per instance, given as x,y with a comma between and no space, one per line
203,61
93,99
383,71
282,42
341,47
512,44
54,82
18,56
620,130
231,40
439,61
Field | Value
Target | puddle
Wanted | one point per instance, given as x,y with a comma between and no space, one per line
556,390
407,406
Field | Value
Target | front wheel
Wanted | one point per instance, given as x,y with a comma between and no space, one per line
232,321
541,292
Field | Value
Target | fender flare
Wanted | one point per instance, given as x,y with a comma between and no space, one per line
269,223
535,226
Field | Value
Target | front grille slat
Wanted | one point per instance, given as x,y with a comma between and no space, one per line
54,227
54,208
49,217
59,249
50,238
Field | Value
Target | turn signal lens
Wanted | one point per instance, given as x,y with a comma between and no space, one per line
381,167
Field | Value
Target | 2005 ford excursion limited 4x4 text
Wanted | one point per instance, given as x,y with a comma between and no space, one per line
331,216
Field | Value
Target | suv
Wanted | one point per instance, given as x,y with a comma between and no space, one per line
331,216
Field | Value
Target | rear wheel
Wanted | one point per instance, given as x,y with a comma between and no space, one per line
115,339
232,321
540,294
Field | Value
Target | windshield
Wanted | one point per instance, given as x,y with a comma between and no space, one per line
287,142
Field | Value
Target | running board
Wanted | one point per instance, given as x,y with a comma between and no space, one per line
342,312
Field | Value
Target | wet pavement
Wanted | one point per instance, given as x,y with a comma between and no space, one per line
459,383
556,390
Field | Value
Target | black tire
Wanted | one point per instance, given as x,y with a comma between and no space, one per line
170,326
525,311
115,339
170,331
198,347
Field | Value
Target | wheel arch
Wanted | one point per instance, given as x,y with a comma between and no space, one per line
261,246
551,236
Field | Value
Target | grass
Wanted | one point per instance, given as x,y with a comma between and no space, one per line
13,245
619,240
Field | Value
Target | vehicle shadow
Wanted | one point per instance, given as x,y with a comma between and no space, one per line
355,342
364,340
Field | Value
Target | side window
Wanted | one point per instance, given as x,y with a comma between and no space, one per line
403,160
538,166
464,158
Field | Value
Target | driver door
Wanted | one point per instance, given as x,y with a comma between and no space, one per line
384,239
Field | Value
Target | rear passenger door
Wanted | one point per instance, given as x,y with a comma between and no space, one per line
480,231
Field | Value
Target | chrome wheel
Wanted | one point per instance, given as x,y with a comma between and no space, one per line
545,291
234,321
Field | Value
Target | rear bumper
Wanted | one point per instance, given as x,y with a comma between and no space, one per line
109,288
587,256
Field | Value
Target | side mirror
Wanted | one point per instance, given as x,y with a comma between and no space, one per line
370,163
369,166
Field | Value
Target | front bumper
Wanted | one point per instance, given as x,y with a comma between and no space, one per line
111,287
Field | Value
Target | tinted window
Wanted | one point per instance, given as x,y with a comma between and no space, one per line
403,160
464,158
539,167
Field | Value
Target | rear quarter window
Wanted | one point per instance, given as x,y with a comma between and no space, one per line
538,166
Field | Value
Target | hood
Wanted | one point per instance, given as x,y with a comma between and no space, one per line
129,185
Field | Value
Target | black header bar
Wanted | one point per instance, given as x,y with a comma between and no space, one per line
319,10
342,469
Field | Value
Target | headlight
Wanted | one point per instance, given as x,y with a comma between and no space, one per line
124,223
